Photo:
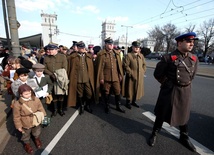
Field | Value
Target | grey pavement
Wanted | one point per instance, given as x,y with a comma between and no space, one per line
6,122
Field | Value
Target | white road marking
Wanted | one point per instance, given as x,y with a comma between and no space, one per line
175,132
55,140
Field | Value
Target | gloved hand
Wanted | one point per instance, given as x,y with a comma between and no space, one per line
53,77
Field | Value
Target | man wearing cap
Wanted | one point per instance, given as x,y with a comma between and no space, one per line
134,65
52,62
175,72
109,75
81,73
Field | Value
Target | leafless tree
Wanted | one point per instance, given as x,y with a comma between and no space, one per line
206,31
157,34
170,32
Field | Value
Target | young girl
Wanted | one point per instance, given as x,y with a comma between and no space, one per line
23,118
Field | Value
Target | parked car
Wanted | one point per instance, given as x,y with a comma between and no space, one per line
154,56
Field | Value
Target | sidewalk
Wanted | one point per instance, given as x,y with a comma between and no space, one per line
6,122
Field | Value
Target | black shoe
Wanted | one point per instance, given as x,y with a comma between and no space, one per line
54,113
107,109
120,109
135,104
152,140
185,141
88,109
81,109
128,105
61,112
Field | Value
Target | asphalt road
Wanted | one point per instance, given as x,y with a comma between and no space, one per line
124,134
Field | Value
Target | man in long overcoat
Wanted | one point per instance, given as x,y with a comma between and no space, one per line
81,76
134,65
175,72
54,61
109,75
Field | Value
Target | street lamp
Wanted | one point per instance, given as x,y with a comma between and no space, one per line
126,51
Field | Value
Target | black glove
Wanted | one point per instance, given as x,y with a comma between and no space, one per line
53,77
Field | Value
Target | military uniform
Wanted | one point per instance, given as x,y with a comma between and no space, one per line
135,66
81,73
175,72
109,69
53,63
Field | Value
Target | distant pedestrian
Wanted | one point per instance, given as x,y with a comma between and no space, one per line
134,65
175,72
23,118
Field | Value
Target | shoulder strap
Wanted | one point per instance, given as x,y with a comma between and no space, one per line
27,108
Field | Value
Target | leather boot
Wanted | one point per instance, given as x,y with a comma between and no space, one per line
88,106
28,148
118,104
128,104
134,103
38,143
184,138
80,100
153,137
107,107
156,129
54,112
61,111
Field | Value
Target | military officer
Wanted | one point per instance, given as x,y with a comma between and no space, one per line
109,74
134,65
175,72
81,75
53,62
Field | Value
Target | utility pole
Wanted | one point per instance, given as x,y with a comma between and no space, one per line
13,24
126,51
50,35
6,25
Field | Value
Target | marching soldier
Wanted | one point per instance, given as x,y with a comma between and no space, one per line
135,66
175,72
81,75
109,75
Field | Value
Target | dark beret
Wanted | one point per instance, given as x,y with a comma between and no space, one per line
22,71
80,44
60,46
108,40
187,36
38,66
26,63
136,43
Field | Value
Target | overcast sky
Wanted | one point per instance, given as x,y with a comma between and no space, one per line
85,17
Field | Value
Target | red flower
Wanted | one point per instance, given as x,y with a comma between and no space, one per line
173,57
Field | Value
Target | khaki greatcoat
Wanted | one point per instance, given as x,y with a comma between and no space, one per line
135,69
73,67
99,68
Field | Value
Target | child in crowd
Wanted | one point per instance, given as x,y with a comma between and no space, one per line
23,118
22,79
44,82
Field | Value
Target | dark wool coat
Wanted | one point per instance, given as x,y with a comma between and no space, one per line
134,76
99,66
174,100
73,67
55,62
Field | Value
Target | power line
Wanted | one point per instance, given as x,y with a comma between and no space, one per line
77,35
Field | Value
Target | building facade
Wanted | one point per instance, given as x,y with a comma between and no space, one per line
108,30
49,28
